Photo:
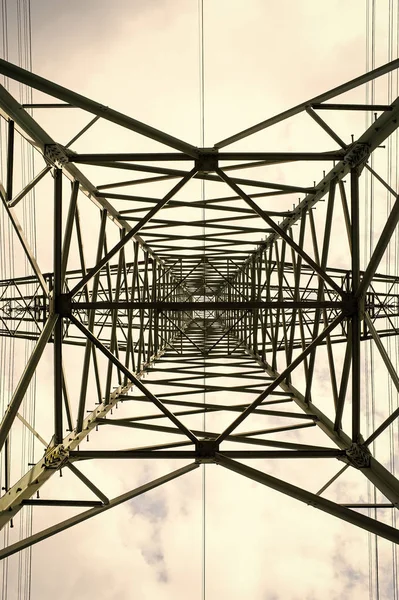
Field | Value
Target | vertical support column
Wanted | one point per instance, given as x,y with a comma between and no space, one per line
267,254
142,348
9,184
321,289
296,316
276,324
69,228
228,287
156,295
114,320
245,320
355,332
57,258
90,325
166,322
241,288
161,317
10,160
130,347
7,464
254,296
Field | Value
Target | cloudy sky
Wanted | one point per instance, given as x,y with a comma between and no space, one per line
142,58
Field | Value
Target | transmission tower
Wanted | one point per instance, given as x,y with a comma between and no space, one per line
174,307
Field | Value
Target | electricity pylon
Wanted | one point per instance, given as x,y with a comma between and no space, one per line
190,292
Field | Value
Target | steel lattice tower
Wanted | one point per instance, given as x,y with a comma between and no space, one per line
246,293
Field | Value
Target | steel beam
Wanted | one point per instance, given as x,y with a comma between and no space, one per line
29,187
25,245
132,232
380,249
67,523
280,232
212,305
40,139
393,374
355,320
297,361
58,327
25,379
337,91
79,101
238,306
336,510
133,379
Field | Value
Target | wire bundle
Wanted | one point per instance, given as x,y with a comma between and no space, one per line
16,25
379,571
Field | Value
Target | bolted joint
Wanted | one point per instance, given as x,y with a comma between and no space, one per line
358,455
351,305
51,304
206,451
56,154
357,154
56,457
207,160
65,305
354,306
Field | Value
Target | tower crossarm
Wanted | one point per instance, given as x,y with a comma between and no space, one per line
24,308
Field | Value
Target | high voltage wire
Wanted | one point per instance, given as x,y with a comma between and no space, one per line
376,583
23,37
6,347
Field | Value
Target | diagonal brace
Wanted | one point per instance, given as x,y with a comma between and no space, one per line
336,510
50,531
281,377
131,233
280,232
133,379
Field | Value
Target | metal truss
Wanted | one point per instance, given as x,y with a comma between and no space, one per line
229,308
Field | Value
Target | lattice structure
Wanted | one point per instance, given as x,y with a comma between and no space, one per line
233,306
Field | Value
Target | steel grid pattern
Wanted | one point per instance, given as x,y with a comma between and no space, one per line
228,306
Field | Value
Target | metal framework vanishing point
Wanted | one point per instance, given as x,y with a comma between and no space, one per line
224,304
